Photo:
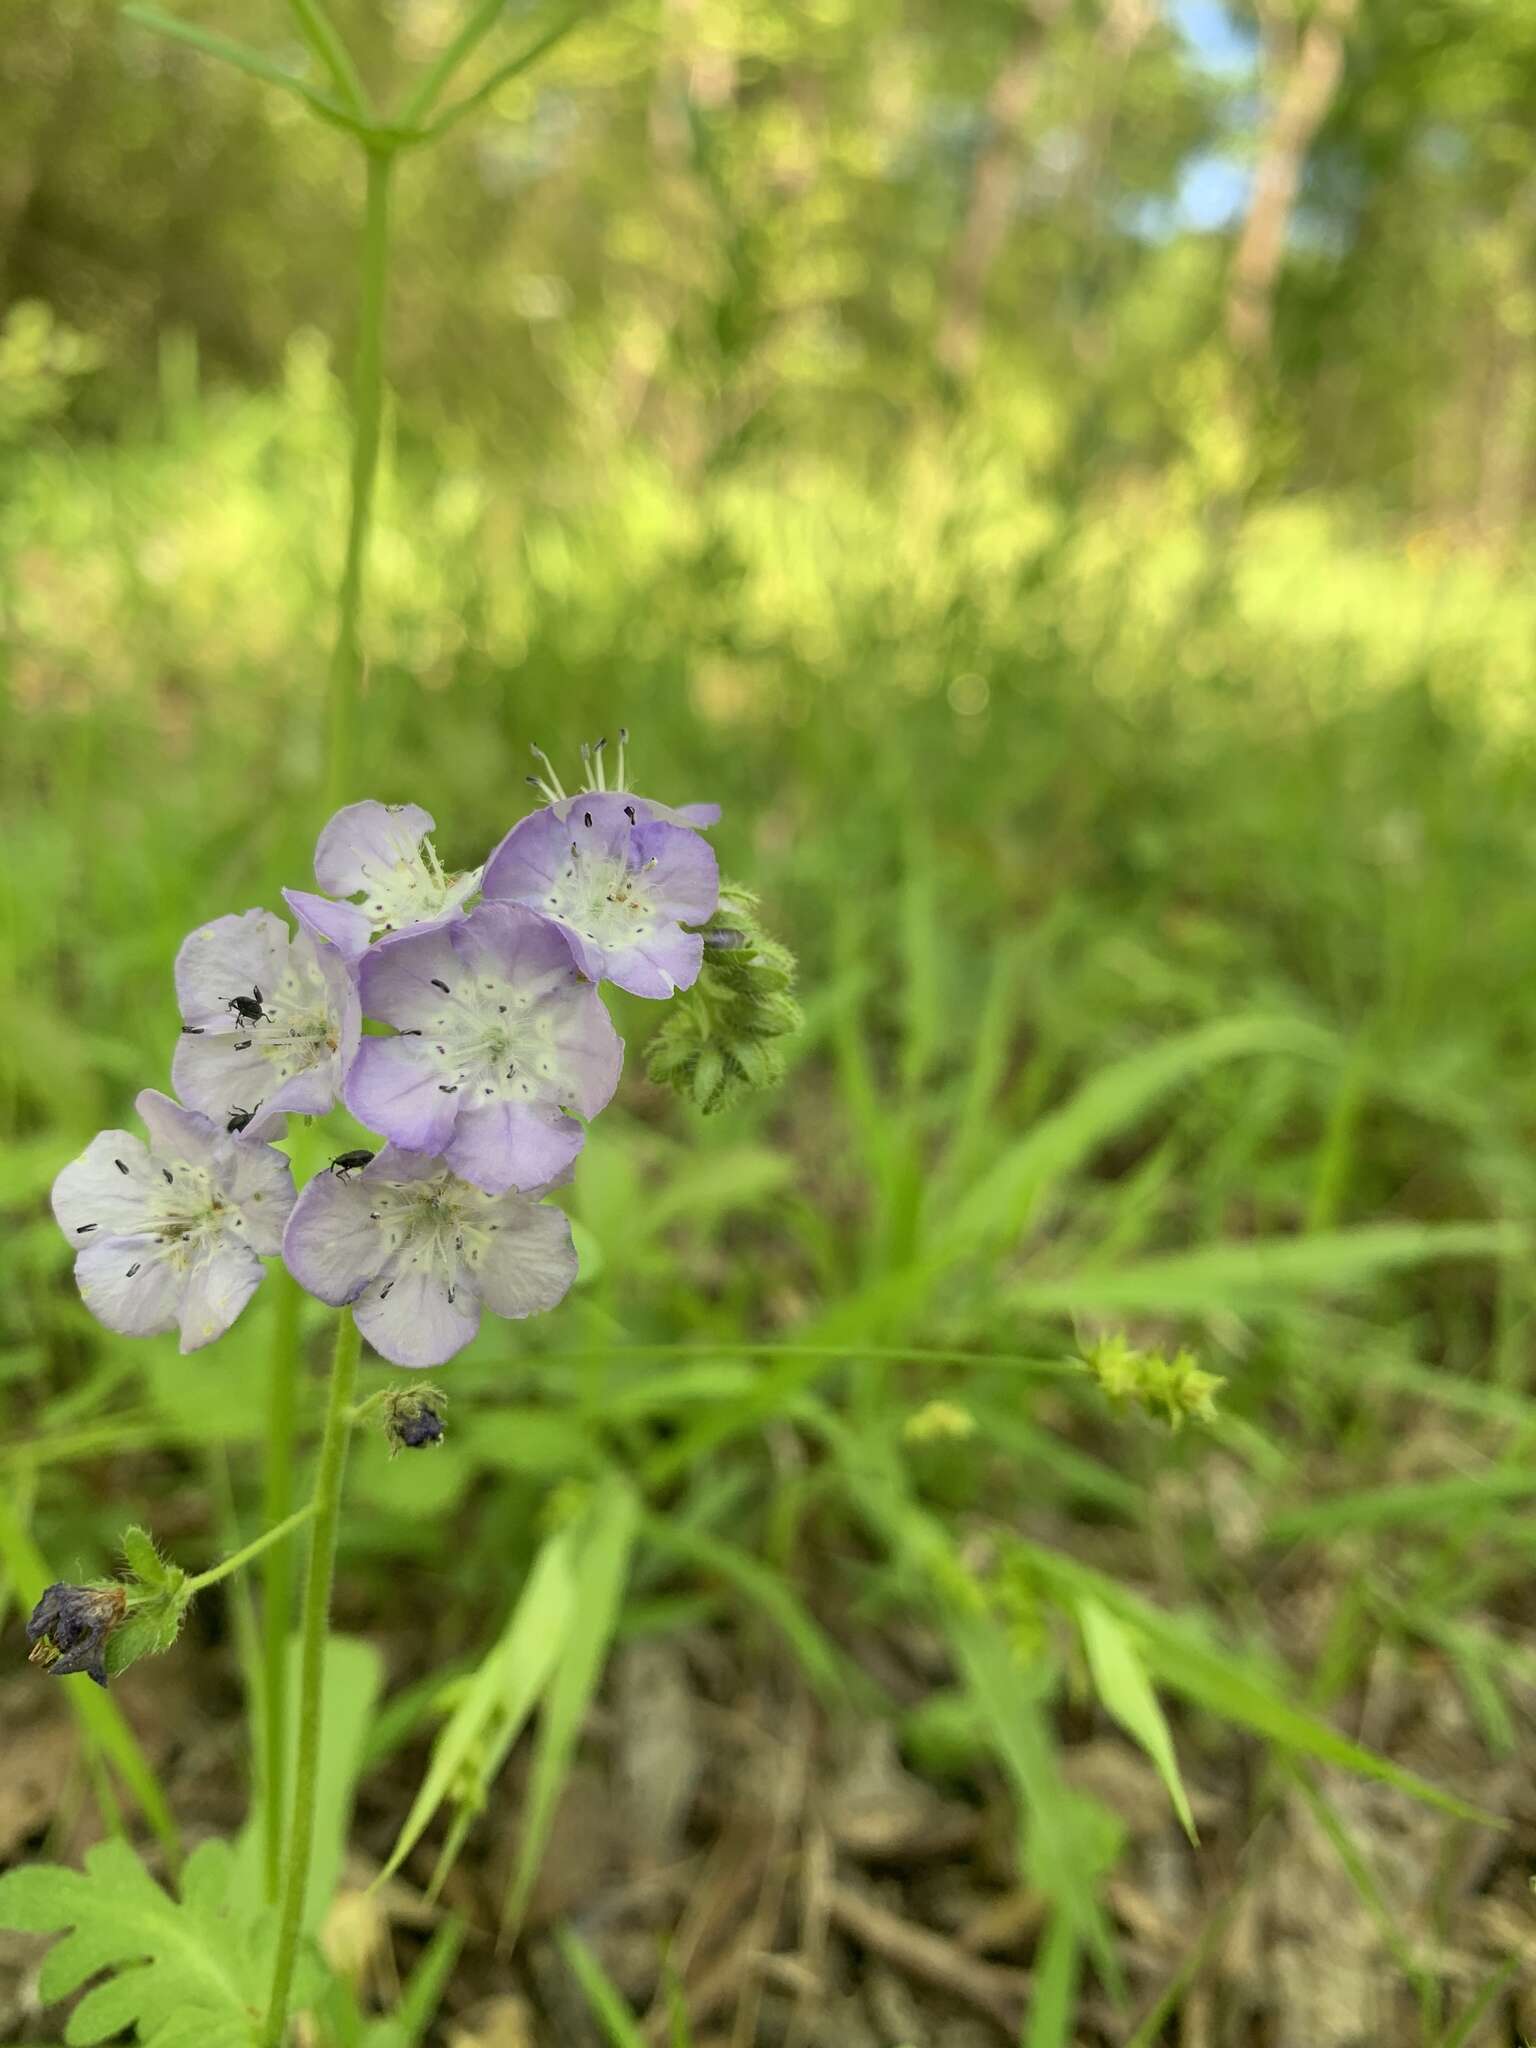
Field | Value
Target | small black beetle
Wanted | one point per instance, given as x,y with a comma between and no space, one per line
247,1009
345,1164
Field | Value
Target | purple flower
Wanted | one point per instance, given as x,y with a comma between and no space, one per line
595,781
498,1037
418,1252
172,1234
271,1022
69,1627
620,888
381,854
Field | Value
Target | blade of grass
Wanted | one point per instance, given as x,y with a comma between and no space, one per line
609,1527
1121,1682
604,2000
503,1690
765,1589
1266,1272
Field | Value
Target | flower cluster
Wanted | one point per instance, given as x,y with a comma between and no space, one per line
495,1050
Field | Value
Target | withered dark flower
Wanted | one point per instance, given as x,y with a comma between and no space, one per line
413,1418
69,1628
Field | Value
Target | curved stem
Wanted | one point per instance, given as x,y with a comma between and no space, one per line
367,421
240,1558
317,1605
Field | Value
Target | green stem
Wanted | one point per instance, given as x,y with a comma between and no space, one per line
367,421
277,1576
240,1558
317,1605
436,76
320,33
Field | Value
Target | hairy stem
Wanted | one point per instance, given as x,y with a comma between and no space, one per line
367,421
316,1624
240,1558
277,1573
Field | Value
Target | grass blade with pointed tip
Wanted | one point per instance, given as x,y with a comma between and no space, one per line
1121,1682
503,1690
608,1530
1003,1202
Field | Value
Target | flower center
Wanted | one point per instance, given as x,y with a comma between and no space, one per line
410,891
188,1214
601,897
300,1029
497,1042
442,1226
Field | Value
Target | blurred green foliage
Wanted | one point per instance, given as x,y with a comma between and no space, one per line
1130,735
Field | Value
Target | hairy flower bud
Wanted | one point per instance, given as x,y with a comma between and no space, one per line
720,1039
413,1418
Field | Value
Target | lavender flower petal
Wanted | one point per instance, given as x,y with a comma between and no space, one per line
172,1232
415,1249
493,1020
618,887
291,1057
382,852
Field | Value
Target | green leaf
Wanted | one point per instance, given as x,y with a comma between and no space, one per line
502,1692
1120,1679
185,1971
147,1565
608,1530
1004,1201
1267,1272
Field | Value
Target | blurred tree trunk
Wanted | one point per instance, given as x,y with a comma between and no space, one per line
1305,65
989,203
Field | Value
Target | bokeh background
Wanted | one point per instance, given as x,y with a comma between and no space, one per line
1060,473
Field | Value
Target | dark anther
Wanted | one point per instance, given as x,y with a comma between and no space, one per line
586,817
629,812
242,1045
132,1270
440,984
82,1228
415,1033
447,1088
69,1628
191,1030
384,1290
170,1178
